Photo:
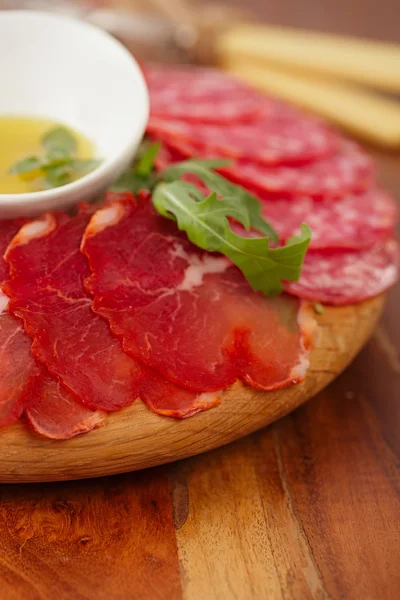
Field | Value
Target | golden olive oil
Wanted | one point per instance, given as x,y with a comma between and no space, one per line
20,137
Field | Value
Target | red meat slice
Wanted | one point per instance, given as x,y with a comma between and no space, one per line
344,277
165,398
350,170
55,413
47,292
187,313
201,95
352,222
283,138
17,364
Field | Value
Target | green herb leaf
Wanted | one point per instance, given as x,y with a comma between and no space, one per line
83,167
141,175
216,183
145,164
206,225
26,165
56,176
130,181
59,140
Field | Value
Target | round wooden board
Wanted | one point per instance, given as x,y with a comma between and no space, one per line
135,438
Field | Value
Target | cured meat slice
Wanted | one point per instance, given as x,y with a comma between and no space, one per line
201,95
284,138
350,170
165,398
187,313
353,222
55,413
344,277
17,364
46,291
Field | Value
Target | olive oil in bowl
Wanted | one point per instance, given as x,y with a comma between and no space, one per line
38,154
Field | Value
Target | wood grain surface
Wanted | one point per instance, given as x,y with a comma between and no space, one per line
135,438
306,508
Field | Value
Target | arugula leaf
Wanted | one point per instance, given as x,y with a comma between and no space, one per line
145,164
141,175
206,225
217,183
26,165
59,140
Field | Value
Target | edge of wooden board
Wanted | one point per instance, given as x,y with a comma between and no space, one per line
135,438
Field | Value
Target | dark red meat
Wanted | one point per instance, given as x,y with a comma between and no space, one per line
187,313
344,277
284,138
17,364
47,292
55,413
165,398
201,95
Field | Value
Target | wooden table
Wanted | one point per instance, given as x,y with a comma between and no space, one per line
307,508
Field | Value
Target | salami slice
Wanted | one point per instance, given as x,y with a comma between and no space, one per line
353,222
201,95
284,138
17,365
189,314
344,277
349,170
55,413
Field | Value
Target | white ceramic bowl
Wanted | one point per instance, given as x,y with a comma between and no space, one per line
65,70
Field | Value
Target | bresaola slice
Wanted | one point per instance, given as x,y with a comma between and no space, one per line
17,365
189,314
345,277
46,291
284,138
201,95
165,398
55,413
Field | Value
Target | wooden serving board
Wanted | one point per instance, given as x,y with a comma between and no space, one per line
135,438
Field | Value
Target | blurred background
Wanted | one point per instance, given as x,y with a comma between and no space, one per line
337,59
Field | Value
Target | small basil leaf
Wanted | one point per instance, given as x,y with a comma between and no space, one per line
26,165
83,167
61,140
57,176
